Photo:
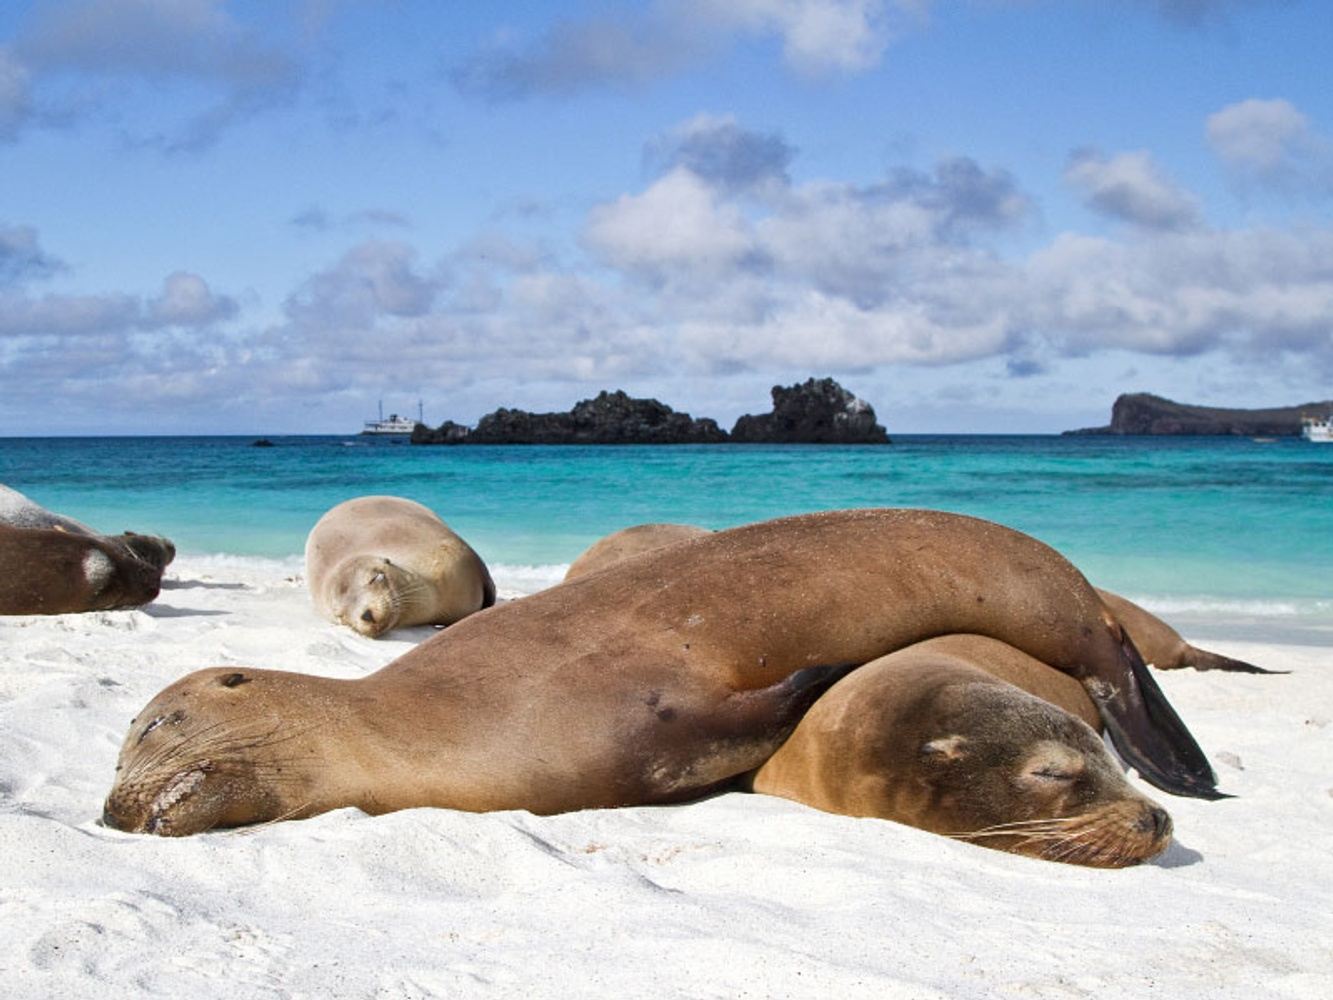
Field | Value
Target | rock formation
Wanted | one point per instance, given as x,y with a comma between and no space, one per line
817,411
1144,413
610,418
447,433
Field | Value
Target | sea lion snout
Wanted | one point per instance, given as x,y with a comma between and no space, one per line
1155,820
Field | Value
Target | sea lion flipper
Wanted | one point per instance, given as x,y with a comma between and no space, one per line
1202,659
1148,733
768,715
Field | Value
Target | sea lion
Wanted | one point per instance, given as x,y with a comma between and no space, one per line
630,542
378,563
1158,643
18,511
1162,646
50,571
927,737
650,681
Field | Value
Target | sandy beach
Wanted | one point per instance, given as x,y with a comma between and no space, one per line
735,896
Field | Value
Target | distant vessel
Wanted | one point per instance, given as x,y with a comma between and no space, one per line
1317,429
395,425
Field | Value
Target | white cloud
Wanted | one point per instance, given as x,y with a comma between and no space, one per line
1131,187
1273,142
1184,293
186,300
818,36
192,41
633,45
374,282
717,150
678,227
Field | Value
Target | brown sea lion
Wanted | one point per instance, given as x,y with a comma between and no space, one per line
378,563
49,571
18,511
650,681
1003,661
630,542
927,737
1158,643
1162,646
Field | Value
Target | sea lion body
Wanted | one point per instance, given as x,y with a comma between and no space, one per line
18,511
1013,666
1162,646
649,681
377,563
49,571
630,542
926,737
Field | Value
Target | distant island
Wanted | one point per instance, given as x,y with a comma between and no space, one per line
817,411
1144,413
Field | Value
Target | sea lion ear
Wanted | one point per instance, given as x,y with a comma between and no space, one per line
945,749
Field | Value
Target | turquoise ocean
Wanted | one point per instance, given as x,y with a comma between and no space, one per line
1223,527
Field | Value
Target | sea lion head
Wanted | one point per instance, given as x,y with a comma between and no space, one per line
1010,771
220,747
152,549
367,594
116,578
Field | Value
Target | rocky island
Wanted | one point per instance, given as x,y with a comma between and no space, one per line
818,411
1144,413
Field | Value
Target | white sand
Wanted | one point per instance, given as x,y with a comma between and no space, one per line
738,896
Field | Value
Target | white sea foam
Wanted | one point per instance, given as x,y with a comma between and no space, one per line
1251,607
525,579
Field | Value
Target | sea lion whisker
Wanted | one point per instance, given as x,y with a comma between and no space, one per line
1018,826
245,831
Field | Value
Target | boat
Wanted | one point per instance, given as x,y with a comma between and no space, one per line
1317,429
395,425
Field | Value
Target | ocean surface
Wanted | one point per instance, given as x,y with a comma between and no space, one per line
1202,525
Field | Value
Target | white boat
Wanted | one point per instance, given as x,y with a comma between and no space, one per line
1317,429
394,425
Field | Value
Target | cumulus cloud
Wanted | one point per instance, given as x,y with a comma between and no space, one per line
718,151
1131,188
192,41
185,302
636,45
1185,293
679,225
374,279
1272,142
818,36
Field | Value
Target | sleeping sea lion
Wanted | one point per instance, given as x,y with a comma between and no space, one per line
18,511
927,737
379,563
630,542
1161,646
49,571
653,680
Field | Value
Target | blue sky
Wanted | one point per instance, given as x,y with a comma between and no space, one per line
980,215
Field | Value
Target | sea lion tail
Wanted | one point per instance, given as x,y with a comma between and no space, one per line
1148,733
1202,659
